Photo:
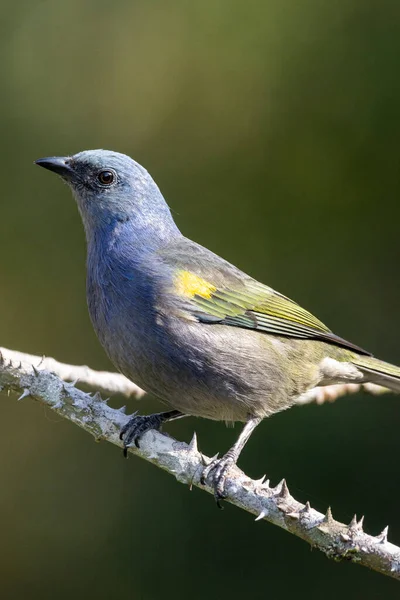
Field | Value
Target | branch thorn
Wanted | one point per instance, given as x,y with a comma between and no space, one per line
262,514
192,447
382,537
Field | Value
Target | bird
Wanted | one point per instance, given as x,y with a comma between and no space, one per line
187,326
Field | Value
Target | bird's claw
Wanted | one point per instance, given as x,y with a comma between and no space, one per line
136,427
218,469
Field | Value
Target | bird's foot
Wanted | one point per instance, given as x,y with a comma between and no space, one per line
218,469
136,427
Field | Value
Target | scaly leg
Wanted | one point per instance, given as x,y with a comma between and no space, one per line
138,425
220,467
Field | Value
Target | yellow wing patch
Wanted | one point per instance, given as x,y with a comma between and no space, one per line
188,284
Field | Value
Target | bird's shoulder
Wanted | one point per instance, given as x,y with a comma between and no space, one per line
184,255
221,289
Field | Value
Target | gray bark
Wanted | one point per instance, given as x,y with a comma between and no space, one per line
27,375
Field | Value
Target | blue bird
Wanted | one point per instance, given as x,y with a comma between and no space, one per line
186,325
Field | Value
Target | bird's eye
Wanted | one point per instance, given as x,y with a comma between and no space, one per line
106,177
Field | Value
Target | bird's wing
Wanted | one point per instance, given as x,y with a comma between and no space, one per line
216,292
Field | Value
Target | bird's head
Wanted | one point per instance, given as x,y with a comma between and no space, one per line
110,187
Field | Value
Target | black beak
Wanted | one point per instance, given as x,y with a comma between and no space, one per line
57,164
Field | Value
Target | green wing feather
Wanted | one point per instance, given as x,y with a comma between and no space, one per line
265,310
235,299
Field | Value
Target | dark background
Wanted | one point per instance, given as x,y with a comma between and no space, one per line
273,130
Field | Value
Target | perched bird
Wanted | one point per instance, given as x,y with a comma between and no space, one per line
186,325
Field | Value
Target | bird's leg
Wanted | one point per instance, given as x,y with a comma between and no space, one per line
138,425
219,468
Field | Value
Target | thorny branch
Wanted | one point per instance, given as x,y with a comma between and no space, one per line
26,375
101,381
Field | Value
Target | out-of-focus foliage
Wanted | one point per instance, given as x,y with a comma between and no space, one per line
273,130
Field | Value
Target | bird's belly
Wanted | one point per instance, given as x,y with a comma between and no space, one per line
212,371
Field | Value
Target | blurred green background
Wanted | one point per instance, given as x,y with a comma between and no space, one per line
273,130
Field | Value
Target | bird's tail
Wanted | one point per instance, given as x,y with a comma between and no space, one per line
379,372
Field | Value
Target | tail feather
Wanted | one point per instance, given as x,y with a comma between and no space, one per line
379,372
